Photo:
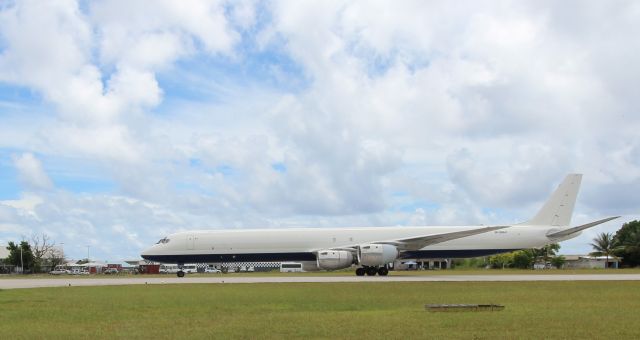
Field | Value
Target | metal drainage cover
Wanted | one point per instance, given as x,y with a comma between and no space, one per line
463,308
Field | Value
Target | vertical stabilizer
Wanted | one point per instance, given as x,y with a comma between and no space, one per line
558,209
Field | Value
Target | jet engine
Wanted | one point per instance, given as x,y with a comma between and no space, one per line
334,259
373,255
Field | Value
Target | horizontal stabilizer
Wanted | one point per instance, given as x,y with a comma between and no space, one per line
419,242
567,232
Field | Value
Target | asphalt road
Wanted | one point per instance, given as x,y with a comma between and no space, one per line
11,283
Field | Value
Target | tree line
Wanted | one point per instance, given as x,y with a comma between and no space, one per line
527,258
624,244
36,255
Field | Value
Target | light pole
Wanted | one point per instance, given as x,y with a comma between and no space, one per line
88,259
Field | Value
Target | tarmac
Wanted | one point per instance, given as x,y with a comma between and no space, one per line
14,283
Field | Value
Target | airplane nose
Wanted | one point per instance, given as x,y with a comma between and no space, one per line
146,253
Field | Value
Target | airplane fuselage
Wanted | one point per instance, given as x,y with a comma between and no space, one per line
300,244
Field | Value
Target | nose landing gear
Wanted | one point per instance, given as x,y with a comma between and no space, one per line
180,272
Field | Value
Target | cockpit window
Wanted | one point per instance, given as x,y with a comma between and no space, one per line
163,241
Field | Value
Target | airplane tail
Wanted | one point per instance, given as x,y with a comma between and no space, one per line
558,209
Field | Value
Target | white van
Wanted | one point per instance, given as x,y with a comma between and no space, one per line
168,268
291,267
189,268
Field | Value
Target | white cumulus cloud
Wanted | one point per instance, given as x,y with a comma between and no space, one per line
31,172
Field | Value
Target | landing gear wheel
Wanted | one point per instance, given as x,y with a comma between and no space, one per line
371,271
360,271
180,273
383,271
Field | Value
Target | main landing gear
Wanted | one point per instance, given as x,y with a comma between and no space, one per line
180,272
372,271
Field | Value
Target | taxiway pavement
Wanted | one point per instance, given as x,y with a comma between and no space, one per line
14,283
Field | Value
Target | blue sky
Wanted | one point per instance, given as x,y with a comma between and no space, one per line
121,122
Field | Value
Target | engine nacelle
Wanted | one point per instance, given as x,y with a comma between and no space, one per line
377,254
334,259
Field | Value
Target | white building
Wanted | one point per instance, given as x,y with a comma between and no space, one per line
592,262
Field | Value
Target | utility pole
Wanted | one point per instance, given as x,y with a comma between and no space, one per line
21,261
88,259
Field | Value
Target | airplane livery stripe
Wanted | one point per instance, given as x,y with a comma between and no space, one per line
308,256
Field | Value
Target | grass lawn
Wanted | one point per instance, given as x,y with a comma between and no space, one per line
324,310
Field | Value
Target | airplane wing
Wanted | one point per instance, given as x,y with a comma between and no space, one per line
567,232
419,242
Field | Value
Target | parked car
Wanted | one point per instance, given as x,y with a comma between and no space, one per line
111,271
58,271
212,270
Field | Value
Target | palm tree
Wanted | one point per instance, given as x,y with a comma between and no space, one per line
604,244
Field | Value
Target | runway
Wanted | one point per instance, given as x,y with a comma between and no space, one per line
11,283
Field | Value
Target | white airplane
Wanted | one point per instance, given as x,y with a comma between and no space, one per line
372,249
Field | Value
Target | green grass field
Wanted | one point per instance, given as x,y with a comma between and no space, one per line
327,310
